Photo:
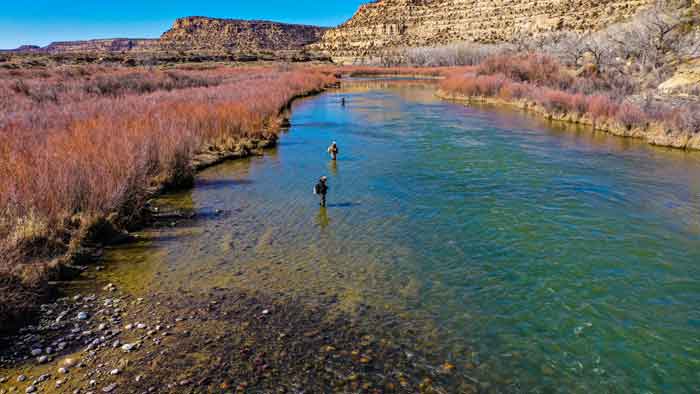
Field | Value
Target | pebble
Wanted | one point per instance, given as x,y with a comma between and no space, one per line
30,389
83,316
93,382
42,359
21,378
36,352
62,371
127,347
140,326
3,379
266,311
69,362
115,371
59,383
43,378
110,388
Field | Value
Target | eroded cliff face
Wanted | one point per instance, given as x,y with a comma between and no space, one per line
200,33
103,45
412,23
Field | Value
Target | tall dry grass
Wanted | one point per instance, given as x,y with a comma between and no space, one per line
541,80
88,142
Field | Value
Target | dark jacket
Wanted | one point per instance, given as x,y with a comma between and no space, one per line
321,188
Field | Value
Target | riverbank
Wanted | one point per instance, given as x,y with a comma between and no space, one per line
220,341
47,233
540,84
653,133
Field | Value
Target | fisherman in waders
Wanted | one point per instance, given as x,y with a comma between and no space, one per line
333,150
321,189
342,101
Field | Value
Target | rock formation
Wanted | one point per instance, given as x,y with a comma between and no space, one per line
103,45
411,23
200,33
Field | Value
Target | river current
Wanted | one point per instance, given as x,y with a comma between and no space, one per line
535,257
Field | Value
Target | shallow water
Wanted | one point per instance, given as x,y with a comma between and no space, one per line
535,257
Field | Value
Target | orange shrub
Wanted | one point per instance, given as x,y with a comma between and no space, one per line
101,139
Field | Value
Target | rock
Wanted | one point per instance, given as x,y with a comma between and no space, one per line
128,347
69,362
63,371
110,388
43,378
42,359
115,371
266,312
59,383
383,25
140,326
21,378
49,350
92,382
3,379
36,352
221,34
30,389
83,316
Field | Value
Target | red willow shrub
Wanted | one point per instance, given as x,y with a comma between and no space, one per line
100,142
541,80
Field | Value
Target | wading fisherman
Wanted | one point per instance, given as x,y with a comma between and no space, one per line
342,101
321,189
333,150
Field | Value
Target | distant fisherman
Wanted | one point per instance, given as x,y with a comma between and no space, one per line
321,189
333,150
342,101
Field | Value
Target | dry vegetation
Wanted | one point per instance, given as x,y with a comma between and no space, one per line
542,81
80,144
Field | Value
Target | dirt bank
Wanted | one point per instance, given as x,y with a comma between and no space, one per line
653,133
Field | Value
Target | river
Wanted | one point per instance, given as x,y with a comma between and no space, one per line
536,257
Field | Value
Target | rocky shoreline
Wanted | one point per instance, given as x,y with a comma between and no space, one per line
219,341
653,134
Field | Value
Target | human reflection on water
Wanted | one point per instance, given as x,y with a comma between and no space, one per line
333,166
322,217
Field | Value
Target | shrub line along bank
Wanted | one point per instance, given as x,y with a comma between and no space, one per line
538,84
654,133
224,124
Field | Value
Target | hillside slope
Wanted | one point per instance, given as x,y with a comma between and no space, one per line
410,23
196,33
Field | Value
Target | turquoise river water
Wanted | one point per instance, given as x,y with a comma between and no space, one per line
539,257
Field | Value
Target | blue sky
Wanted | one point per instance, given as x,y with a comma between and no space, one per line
40,22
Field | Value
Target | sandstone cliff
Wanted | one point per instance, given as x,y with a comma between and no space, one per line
197,33
103,45
410,23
